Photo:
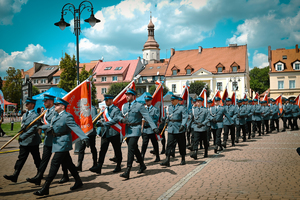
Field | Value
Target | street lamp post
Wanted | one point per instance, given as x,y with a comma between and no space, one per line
77,12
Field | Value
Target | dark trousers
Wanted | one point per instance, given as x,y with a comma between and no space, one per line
265,126
217,135
188,136
133,150
163,141
284,122
256,125
173,139
289,120
115,141
47,152
248,127
272,124
153,139
295,125
208,132
92,140
23,155
226,132
64,159
200,136
238,131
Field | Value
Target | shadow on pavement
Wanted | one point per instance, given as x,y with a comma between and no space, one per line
153,172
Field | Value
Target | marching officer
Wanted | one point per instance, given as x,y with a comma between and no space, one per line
61,126
249,117
133,113
190,126
29,141
109,134
274,116
147,132
216,116
177,118
266,112
232,112
47,148
209,102
256,118
240,121
199,125
287,108
296,113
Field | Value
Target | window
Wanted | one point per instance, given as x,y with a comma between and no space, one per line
35,81
284,57
150,67
158,67
103,90
114,78
220,69
297,66
107,68
292,84
234,69
188,71
235,86
43,80
140,80
279,67
174,72
280,84
219,86
56,80
173,87
118,68
103,78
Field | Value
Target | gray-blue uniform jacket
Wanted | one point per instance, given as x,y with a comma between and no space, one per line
232,112
30,137
115,115
217,114
288,110
177,116
266,112
48,117
200,115
62,124
154,114
256,110
275,111
249,112
296,110
242,115
134,117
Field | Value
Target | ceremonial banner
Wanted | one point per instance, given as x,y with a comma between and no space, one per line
225,95
298,100
204,96
245,95
80,107
278,102
186,97
217,94
233,99
256,96
158,102
265,97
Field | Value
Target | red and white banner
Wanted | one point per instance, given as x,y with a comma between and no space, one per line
217,94
278,101
158,102
204,96
245,95
186,97
256,96
265,97
225,95
233,99
117,127
80,103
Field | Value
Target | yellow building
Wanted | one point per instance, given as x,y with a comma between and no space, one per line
284,72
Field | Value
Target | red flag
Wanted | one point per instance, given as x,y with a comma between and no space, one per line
265,97
233,99
298,100
225,95
278,102
203,95
218,94
256,96
245,96
119,101
186,97
158,102
80,107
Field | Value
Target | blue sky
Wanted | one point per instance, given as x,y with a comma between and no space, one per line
28,33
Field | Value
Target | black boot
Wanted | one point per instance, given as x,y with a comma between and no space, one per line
79,167
206,153
224,144
36,180
194,155
94,166
163,151
118,168
97,169
142,168
166,162
157,158
182,160
244,138
114,159
44,190
65,178
126,173
78,182
13,177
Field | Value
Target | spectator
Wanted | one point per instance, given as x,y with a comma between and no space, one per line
2,133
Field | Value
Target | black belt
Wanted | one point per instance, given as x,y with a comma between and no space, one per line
171,120
59,134
134,124
146,126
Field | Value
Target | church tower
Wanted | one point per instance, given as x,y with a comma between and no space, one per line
151,51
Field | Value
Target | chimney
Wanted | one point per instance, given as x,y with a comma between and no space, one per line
172,51
297,49
200,49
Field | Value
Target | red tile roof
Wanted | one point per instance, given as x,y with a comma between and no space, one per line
29,72
209,59
152,69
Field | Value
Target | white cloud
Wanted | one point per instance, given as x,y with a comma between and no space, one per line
197,4
24,59
8,8
260,60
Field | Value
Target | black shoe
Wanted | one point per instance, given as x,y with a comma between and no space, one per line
190,148
224,145
194,155
142,169
93,168
12,178
126,173
236,141
157,159
253,135
216,150
233,145
173,154
152,151
44,190
117,169
64,179
36,180
249,137
259,134
283,130
163,151
114,159
166,162
205,156
97,169
182,160
79,168
77,185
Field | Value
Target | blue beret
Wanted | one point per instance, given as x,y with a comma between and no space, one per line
30,100
200,99
59,100
240,101
287,100
131,91
180,99
194,100
108,96
228,99
292,101
273,100
217,98
255,100
250,101
263,102
174,97
48,96
209,101
148,98
245,99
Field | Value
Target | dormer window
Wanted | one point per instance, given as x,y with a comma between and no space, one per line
174,72
220,69
234,69
296,65
188,72
279,67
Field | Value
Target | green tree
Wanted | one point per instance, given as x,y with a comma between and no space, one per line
35,91
12,89
85,75
259,79
116,88
68,75
197,87
153,88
